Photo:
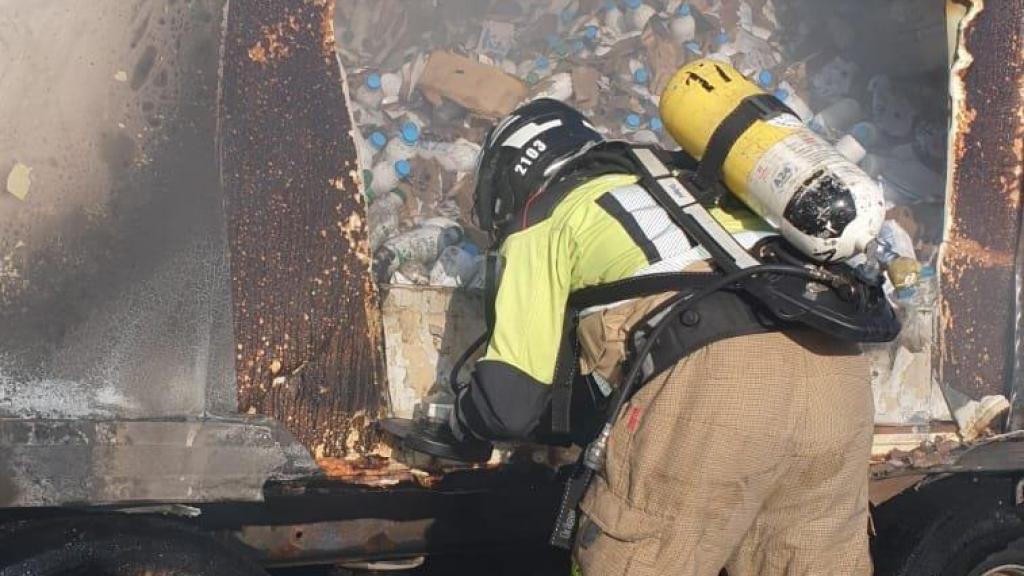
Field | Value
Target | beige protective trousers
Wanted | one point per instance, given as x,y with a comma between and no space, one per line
751,455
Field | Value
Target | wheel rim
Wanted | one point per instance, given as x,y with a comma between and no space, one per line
1007,570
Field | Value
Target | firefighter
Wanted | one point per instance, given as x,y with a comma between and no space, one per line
749,453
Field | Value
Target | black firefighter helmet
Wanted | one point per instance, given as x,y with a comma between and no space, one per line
521,154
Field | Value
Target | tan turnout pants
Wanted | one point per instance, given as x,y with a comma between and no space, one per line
751,455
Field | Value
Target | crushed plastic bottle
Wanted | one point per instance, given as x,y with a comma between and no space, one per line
632,123
378,140
834,121
387,175
391,88
639,14
406,146
369,94
834,80
422,245
683,26
891,110
458,156
788,96
455,267
384,218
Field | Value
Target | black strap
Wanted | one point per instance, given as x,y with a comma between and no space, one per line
747,112
565,374
638,287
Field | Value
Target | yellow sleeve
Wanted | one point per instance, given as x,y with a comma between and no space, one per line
531,300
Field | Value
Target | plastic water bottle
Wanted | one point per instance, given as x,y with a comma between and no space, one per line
787,94
591,33
387,175
406,145
364,150
683,26
370,94
458,156
633,122
378,140
423,245
867,134
384,217
856,143
390,87
892,111
641,76
614,20
765,79
656,125
851,148
455,267
835,120
639,14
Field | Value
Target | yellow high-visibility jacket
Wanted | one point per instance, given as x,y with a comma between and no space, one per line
605,230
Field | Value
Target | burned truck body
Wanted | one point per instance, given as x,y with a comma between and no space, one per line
192,341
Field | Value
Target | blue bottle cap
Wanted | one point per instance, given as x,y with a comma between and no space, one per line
656,124
782,94
403,168
373,81
591,31
633,121
541,63
765,78
864,132
410,133
722,38
693,46
684,10
633,4
641,76
378,140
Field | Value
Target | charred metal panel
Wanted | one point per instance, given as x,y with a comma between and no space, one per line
65,462
309,349
114,290
984,203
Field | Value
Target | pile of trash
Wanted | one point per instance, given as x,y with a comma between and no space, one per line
427,80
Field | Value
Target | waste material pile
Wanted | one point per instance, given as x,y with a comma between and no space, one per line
427,80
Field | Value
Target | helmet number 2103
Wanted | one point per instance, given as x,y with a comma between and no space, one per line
532,153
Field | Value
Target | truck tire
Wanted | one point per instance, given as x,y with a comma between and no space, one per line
117,545
1007,562
957,527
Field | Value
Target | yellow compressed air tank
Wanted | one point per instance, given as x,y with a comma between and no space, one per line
817,199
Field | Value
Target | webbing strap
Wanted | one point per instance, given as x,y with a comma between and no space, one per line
747,112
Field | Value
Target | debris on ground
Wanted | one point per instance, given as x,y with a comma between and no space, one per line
19,181
929,454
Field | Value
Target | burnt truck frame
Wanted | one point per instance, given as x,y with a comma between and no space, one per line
223,468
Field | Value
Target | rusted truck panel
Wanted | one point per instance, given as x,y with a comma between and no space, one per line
976,310
307,322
